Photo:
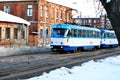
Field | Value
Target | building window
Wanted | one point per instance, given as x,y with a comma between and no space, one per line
46,33
94,21
15,33
52,12
56,14
29,10
69,17
41,33
97,21
22,34
41,10
8,33
60,15
46,12
64,15
86,21
0,33
7,9
89,20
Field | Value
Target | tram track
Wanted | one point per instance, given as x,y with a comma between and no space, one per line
31,68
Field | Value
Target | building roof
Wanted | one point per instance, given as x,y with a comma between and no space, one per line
5,17
15,0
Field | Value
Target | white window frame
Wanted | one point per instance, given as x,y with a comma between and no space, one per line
56,14
61,15
41,10
7,8
29,10
46,12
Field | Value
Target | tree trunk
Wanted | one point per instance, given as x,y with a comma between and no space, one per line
113,11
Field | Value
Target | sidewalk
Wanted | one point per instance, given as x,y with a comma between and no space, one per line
25,50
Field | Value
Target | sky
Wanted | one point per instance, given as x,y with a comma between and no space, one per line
103,69
86,8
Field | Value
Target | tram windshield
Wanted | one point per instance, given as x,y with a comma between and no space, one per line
58,32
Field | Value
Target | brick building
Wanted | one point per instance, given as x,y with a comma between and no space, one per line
42,14
101,22
13,31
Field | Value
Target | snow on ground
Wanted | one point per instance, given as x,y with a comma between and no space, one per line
104,69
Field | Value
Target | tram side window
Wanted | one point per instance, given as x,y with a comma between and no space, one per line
107,35
115,35
112,35
90,34
79,33
104,36
97,34
87,33
83,33
93,34
74,33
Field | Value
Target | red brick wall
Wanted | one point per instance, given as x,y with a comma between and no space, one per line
52,7
20,9
11,42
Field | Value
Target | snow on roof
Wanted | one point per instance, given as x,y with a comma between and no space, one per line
11,18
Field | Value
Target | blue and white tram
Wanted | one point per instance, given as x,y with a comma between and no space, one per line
108,38
67,37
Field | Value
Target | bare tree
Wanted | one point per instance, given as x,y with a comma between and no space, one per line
112,8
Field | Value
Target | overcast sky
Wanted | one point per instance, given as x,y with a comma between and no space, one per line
85,7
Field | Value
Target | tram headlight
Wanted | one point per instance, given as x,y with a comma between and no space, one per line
61,46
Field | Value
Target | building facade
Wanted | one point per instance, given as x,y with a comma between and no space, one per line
13,31
102,22
41,14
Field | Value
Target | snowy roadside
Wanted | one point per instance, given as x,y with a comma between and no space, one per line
23,50
104,69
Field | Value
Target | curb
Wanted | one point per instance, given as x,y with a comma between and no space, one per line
25,50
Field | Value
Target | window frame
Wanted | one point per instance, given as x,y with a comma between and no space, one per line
7,33
41,10
29,10
15,33
7,8
0,33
